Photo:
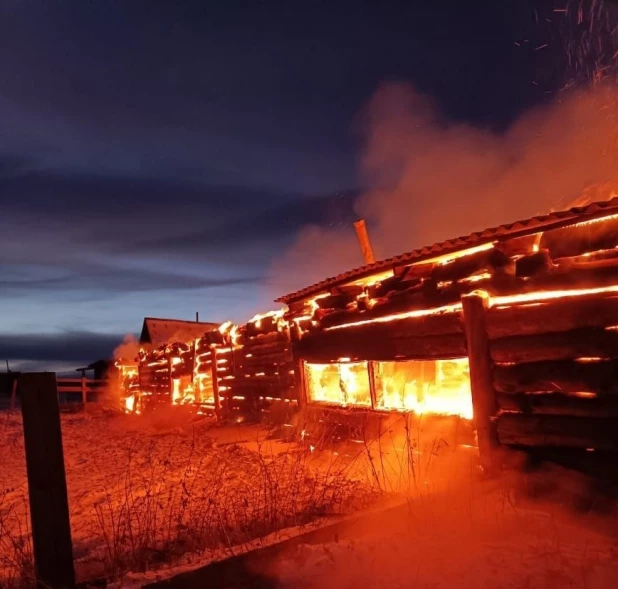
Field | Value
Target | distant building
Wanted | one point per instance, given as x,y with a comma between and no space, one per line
156,332
100,369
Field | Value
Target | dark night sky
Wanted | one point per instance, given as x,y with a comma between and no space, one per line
156,156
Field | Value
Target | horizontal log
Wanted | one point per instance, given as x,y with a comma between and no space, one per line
261,339
559,404
394,285
273,360
417,302
350,290
585,342
377,343
335,301
596,256
438,324
414,271
533,263
555,315
267,348
575,240
563,376
518,246
488,260
558,431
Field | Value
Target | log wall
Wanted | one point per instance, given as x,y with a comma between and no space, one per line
246,371
555,372
544,371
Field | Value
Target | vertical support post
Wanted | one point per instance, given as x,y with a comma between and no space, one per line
363,239
170,384
47,488
84,390
13,393
484,401
215,381
371,370
301,384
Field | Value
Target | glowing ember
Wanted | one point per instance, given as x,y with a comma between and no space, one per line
446,258
454,308
545,295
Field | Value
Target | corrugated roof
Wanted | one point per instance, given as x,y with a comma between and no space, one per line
503,232
161,331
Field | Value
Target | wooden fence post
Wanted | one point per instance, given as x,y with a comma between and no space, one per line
49,506
84,391
483,395
14,393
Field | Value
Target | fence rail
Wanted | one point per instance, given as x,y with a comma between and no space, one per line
71,389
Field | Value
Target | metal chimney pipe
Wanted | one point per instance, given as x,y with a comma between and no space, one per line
363,239
197,317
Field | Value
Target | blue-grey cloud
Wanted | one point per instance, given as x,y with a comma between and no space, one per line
71,346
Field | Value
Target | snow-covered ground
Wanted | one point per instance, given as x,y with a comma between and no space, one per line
471,536
169,495
150,492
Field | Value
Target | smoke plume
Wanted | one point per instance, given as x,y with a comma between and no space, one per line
428,179
127,352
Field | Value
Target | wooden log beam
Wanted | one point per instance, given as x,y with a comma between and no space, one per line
554,315
488,260
396,284
584,342
559,404
596,256
263,338
561,376
394,306
335,301
267,348
557,431
369,343
518,246
47,488
576,240
533,263
483,395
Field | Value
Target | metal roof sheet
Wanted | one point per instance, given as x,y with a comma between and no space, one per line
161,331
509,230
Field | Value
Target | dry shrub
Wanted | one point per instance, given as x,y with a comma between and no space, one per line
224,497
16,560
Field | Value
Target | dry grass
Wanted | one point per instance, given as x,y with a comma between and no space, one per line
226,497
16,561
146,495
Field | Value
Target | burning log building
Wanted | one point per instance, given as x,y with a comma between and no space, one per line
219,369
515,327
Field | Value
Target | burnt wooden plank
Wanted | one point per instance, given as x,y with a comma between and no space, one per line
488,261
584,342
483,395
555,315
558,431
562,376
377,344
559,404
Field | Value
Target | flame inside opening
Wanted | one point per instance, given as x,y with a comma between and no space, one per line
439,387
